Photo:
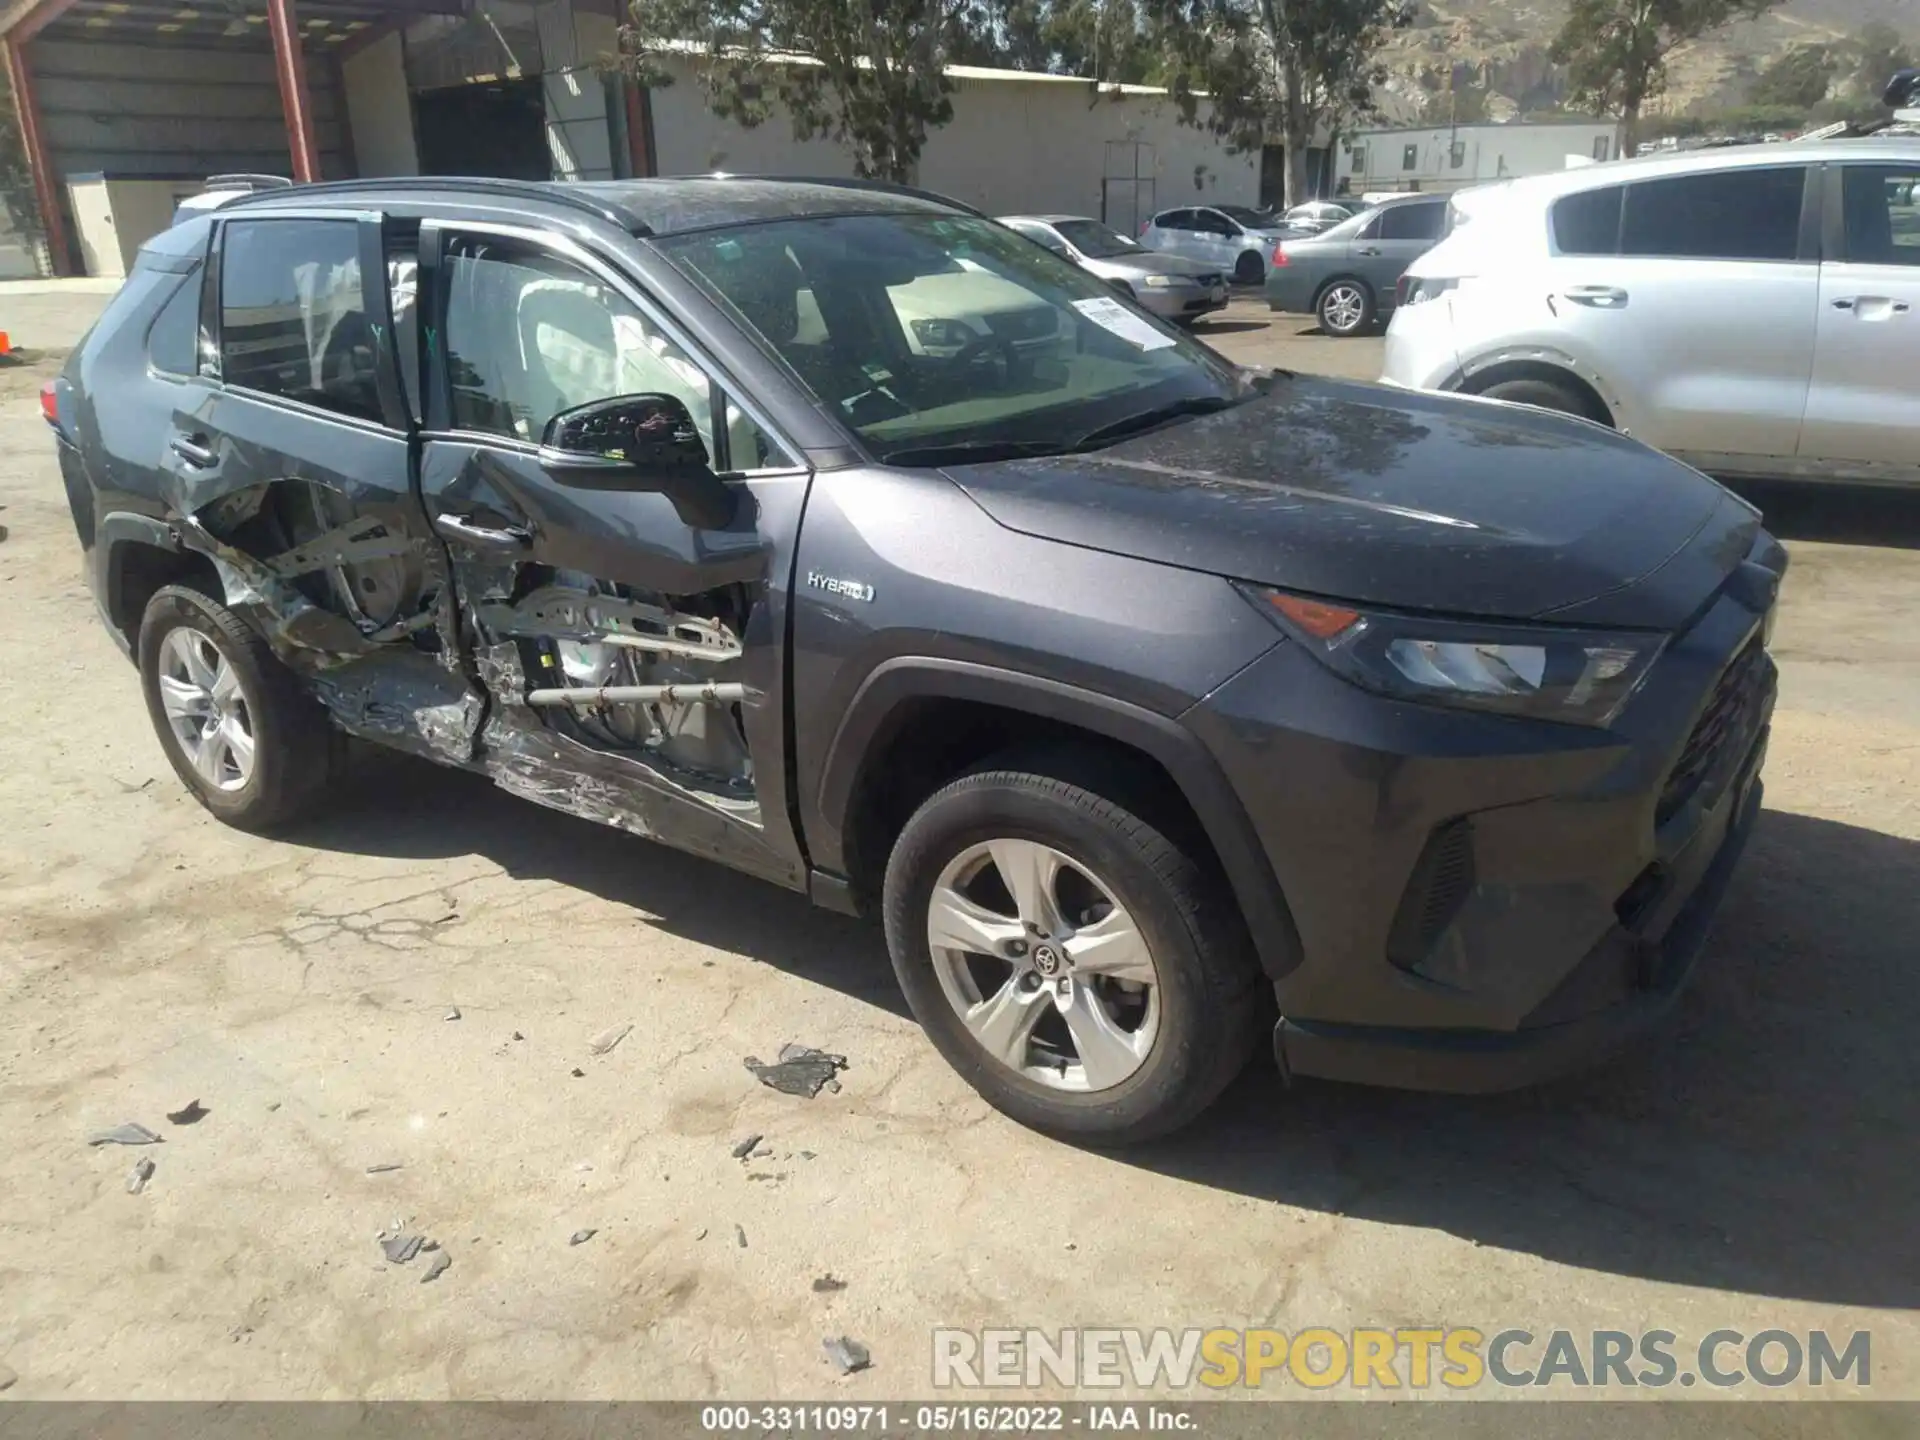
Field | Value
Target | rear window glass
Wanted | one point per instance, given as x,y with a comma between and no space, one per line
1412,222
173,339
293,319
1588,223
1722,215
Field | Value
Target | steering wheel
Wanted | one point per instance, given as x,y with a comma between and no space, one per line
971,352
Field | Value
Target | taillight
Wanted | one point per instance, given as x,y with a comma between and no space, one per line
1280,254
50,404
1402,290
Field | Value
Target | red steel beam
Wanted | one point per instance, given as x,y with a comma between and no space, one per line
290,65
28,18
52,219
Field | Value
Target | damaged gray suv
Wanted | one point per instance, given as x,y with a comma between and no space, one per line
841,535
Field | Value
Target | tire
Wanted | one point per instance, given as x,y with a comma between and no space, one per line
1345,308
294,750
1198,1020
1250,268
1543,395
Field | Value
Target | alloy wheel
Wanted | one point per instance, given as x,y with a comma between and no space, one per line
1342,308
1046,969
206,709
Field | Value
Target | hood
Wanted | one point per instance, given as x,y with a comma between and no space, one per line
1402,500
1148,262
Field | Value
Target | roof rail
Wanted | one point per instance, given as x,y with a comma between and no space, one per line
545,191
884,187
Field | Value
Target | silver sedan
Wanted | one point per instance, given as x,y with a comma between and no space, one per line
1171,286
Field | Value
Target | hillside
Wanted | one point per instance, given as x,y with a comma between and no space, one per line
1506,41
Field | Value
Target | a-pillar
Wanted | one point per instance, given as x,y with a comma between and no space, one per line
295,100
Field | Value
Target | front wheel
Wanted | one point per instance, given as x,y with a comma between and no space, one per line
1345,308
1078,969
1543,395
237,728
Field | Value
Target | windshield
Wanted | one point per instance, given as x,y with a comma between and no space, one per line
1094,240
930,332
1246,215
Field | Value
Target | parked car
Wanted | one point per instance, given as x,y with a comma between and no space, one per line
1170,286
1345,276
1317,215
1232,238
1753,312
1141,694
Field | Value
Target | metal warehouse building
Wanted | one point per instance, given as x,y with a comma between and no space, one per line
126,106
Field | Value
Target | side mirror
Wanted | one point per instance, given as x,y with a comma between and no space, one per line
638,442
1903,90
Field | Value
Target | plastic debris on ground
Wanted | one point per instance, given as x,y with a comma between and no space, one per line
828,1283
400,1249
192,1113
385,1167
127,1134
740,1236
801,1070
607,1039
746,1146
849,1355
137,1177
580,1237
436,1267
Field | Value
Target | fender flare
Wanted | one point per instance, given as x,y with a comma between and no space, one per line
1161,738
1548,355
114,530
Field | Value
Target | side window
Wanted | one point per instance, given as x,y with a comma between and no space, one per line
293,320
529,336
1176,220
1722,215
1371,230
1412,222
1359,159
1588,223
1882,204
173,338
1212,222
1409,157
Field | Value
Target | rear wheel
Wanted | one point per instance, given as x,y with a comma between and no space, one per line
1249,269
237,728
1345,308
1079,970
1544,395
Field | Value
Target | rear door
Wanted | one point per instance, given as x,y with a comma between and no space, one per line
631,643
288,458
1216,239
1693,297
1406,233
1865,395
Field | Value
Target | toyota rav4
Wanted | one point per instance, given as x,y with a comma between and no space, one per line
842,535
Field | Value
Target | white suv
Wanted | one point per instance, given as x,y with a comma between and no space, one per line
1754,311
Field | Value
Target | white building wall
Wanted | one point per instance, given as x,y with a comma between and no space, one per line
1439,158
572,44
1033,145
379,110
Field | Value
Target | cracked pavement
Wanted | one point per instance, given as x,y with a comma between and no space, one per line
1753,1166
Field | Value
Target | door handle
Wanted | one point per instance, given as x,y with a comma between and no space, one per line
1843,304
484,537
1600,297
1370,250
194,451
1872,306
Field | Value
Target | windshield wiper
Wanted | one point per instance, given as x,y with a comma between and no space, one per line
969,452
1147,420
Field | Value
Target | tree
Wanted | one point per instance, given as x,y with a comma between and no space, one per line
1274,67
1798,79
1097,39
870,74
1616,51
1879,51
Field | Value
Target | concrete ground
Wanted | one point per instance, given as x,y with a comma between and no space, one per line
1751,1167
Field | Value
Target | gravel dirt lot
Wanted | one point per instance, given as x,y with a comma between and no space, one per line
1752,1167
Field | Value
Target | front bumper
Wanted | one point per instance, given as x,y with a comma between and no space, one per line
1483,902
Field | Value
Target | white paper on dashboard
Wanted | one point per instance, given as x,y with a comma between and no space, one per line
1111,315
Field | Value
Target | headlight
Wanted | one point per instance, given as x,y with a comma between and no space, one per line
1583,677
1168,282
